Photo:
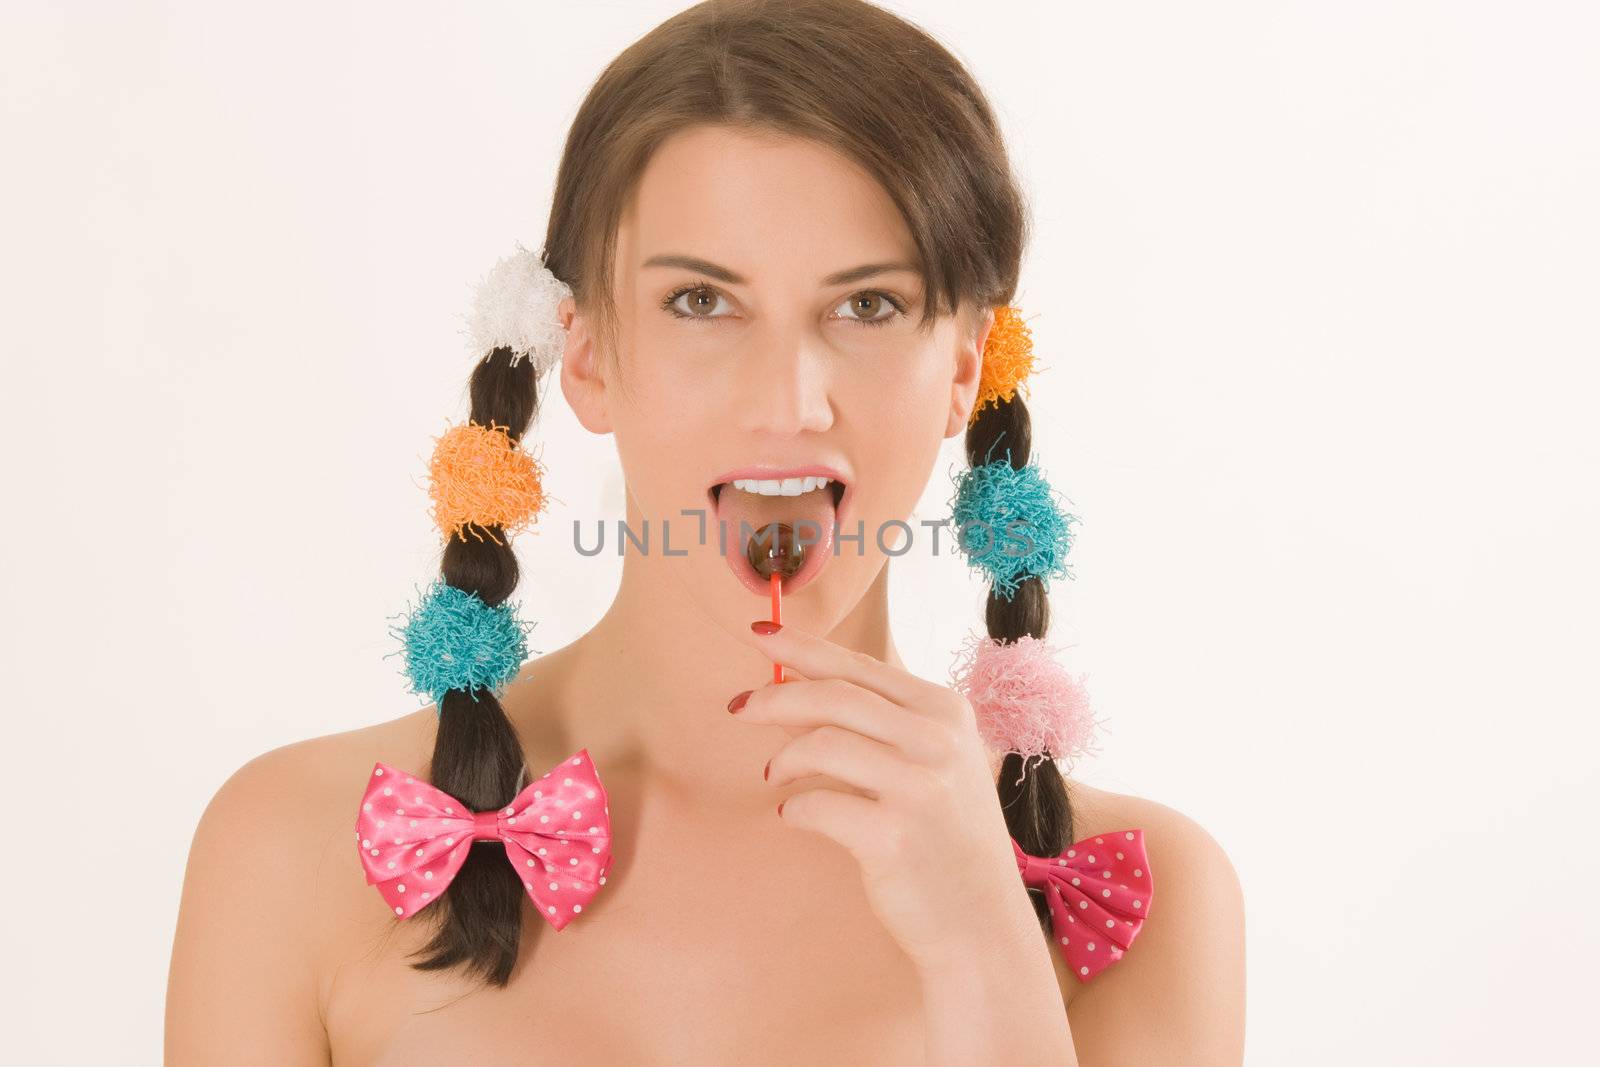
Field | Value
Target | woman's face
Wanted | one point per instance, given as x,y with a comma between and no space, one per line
755,357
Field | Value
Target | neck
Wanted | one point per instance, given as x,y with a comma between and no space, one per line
646,689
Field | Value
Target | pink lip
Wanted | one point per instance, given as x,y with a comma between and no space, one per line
814,562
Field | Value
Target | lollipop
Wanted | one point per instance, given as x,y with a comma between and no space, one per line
776,553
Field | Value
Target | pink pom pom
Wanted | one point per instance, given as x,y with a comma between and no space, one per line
1025,701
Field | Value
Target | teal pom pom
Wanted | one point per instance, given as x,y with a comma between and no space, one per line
453,640
1008,525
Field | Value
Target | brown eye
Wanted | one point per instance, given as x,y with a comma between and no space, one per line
701,300
867,308
693,302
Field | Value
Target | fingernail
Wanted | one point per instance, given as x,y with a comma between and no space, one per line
766,772
766,626
738,701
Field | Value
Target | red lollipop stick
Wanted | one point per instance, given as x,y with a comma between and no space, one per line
777,616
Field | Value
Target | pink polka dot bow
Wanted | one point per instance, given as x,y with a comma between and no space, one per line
413,838
1099,892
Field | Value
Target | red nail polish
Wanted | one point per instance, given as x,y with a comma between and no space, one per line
766,626
766,772
738,700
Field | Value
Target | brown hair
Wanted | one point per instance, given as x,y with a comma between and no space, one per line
884,93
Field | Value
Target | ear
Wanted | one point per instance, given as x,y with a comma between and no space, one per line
583,380
968,372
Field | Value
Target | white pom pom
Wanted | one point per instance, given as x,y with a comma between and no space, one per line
515,307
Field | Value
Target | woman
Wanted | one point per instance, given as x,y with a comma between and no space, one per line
718,176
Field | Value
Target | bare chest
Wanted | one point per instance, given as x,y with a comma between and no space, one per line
710,944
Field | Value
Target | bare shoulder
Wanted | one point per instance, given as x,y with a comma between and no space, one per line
268,894
1177,995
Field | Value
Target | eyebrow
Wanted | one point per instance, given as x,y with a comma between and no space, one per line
723,274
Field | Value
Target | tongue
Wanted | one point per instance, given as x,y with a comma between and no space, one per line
745,515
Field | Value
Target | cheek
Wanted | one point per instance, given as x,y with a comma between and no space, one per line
900,402
661,427
899,428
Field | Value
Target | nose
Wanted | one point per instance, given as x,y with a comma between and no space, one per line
784,389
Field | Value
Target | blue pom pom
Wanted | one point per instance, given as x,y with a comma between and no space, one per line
1008,525
453,640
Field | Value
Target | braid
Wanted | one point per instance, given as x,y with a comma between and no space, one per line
1037,810
477,755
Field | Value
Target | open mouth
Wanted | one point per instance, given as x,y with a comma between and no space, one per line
789,519
835,487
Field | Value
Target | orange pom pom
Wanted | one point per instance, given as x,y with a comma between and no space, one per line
1007,359
478,478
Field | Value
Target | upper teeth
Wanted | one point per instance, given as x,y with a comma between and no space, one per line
777,487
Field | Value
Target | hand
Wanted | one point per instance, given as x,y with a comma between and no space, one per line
926,829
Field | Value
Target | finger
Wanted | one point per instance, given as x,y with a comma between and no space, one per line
816,657
833,701
869,765
857,823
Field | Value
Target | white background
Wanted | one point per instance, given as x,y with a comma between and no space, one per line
1313,288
